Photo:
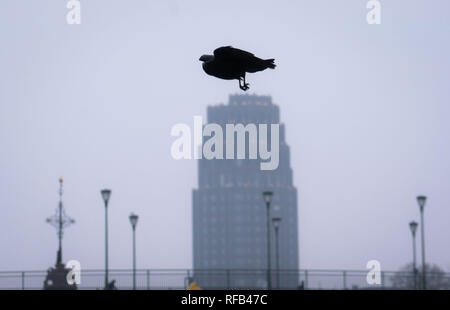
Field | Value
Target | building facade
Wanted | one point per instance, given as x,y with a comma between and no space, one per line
229,212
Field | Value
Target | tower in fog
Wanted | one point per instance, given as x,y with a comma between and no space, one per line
229,213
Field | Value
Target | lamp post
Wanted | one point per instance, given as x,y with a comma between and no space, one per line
106,194
421,201
413,227
133,221
268,199
276,225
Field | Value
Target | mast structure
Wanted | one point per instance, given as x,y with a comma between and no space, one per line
60,221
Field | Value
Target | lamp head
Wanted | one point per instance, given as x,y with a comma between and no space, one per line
421,201
267,195
133,219
276,221
106,194
413,226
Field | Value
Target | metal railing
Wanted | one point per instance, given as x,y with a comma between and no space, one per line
180,279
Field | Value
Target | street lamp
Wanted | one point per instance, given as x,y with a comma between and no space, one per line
413,226
276,225
421,201
133,221
106,194
267,195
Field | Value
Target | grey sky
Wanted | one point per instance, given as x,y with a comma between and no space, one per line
366,110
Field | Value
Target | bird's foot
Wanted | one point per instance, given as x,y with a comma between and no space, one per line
244,87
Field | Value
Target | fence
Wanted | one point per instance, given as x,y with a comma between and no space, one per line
179,279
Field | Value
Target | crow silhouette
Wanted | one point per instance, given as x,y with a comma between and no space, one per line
230,63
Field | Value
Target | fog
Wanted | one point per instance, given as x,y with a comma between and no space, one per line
366,110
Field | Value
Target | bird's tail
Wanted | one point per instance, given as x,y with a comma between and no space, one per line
270,63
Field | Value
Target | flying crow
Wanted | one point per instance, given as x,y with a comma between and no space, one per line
230,63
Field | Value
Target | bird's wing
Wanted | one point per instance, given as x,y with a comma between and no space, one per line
231,53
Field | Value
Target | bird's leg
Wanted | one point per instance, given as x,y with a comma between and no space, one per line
240,85
244,86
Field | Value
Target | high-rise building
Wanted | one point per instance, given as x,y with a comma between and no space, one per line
229,213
